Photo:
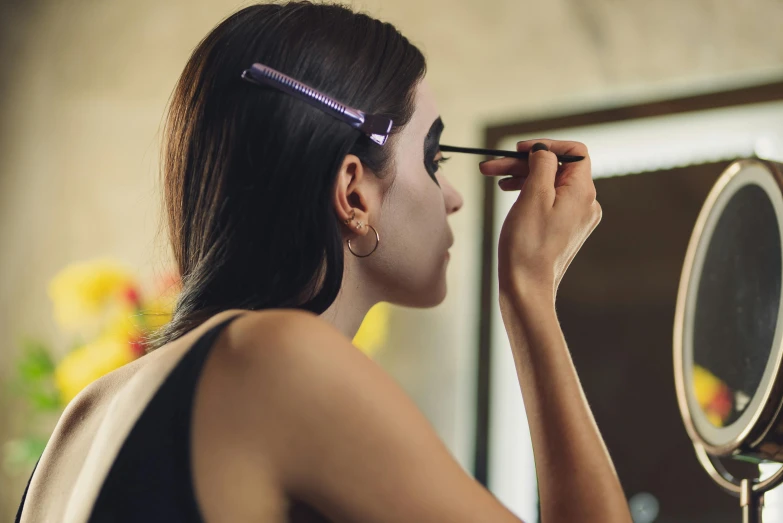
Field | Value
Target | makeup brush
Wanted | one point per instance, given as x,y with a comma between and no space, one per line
562,158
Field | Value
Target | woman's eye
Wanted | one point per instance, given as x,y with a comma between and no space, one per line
441,160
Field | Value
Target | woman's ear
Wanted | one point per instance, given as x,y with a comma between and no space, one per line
353,194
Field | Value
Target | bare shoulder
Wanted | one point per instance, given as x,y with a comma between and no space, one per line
329,427
291,344
284,329
289,358
303,354
256,390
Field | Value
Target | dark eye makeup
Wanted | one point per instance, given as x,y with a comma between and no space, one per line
432,147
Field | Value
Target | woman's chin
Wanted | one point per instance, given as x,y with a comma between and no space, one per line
437,295
440,291
421,292
425,298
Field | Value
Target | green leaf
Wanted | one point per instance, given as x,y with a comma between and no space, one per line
23,451
36,362
46,400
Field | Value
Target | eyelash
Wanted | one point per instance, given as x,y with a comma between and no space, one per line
443,160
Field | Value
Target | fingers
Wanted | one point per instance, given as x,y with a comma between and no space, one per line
517,167
556,146
504,167
540,184
577,176
513,183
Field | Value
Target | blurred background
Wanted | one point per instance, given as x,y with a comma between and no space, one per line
83,88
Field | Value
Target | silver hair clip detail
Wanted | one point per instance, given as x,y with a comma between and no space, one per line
375,126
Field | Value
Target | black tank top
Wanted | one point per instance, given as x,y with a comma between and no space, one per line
151,478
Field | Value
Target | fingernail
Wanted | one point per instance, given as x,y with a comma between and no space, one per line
538,146
485,161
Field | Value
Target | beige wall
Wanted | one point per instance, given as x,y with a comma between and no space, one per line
84,85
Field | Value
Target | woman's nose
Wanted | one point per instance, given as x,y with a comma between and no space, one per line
452,198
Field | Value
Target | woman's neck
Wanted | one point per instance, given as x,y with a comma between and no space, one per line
355,299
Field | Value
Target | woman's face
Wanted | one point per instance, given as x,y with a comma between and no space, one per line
409,266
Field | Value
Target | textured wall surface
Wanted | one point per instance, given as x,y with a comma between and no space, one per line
84,85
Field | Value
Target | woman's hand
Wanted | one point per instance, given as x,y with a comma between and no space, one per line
552,217
554,214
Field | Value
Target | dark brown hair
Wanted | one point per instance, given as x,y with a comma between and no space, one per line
248,171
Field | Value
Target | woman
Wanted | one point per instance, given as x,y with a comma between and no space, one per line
288,224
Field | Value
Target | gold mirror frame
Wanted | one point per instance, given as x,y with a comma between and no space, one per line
761,436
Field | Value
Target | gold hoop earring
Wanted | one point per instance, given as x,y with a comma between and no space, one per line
377,241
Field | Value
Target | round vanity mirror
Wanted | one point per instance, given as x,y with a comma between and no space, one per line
728,334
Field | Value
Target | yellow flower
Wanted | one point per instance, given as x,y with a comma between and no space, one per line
705,385
86,364
714,418
83,294
374,329
157,312
125,325
713,395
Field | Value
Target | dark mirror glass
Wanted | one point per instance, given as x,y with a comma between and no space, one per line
737,306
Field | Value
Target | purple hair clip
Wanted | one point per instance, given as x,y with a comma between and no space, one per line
375,126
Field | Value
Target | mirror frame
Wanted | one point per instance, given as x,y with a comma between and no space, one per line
757,433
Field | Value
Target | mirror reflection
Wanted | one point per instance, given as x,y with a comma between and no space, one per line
737,306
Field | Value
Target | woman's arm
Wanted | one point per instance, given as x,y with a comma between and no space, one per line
553,216
576,478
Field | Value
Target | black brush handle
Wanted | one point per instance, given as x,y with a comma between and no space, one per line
563,158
